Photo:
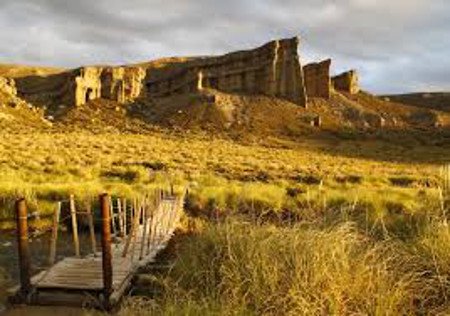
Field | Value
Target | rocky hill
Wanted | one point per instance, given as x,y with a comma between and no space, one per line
263,91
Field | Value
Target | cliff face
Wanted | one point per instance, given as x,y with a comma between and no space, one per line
114,83
272,69
347,81
78,86
317,79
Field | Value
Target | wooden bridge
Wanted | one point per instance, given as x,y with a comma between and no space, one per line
132,234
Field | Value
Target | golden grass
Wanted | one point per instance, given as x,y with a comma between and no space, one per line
48,166
347,228
242,269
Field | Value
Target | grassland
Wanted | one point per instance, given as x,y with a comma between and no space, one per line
274,226
48,166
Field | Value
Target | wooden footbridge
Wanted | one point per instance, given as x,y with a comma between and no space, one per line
132,234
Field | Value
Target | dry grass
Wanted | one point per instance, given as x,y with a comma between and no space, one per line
240,269
273,175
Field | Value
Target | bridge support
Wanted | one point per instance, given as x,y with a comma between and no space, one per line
23,248
106,247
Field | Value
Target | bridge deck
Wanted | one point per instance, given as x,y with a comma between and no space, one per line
83,275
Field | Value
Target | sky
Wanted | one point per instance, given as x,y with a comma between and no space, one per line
395,45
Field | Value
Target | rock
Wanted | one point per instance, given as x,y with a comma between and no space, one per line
347,82
8,86
272,69
121,84
317,79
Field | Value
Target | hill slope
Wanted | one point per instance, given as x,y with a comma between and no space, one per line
436,101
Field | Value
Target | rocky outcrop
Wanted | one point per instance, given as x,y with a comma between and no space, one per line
317,79
8,86
273,69
86,85
347,82
121,84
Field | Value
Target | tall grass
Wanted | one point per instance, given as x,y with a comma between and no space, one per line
234,268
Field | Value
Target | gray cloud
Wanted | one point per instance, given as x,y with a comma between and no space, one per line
397,45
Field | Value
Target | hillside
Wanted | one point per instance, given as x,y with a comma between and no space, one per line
16,71
436,101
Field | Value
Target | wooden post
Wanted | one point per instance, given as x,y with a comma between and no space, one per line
91,227
113,220
133,228
23,248
137,220
53,241
144,232
119,209
125,215
106,246
73,213
152,220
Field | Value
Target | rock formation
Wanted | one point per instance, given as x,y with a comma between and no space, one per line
347,82
272,69
317,79
8,86
121,84
86,85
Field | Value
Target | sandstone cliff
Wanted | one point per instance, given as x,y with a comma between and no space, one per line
120,84
347,81
317,79
273,69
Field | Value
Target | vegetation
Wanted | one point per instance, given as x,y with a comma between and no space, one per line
275,225
239,268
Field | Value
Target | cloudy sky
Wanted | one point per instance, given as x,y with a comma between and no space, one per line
396,45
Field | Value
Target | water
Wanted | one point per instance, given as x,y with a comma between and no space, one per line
39,249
